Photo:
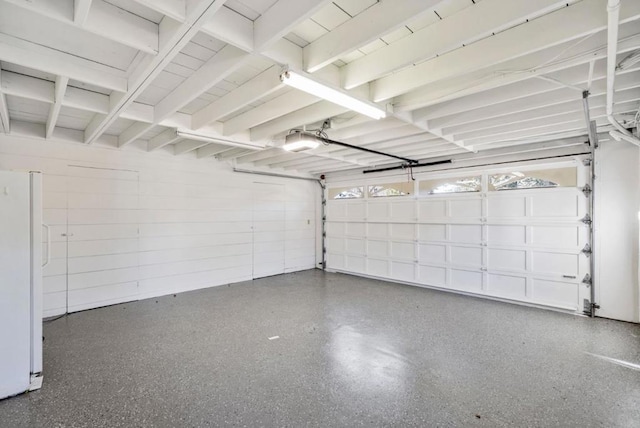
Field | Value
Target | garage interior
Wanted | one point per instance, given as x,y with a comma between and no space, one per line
321,213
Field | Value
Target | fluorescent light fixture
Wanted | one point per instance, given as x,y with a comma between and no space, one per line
212,139
337,96
300,141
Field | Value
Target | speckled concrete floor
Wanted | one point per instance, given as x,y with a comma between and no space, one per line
350,352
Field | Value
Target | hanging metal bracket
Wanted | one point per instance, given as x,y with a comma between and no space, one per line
586,250
589,308
587,280
586,219
586,162
586,190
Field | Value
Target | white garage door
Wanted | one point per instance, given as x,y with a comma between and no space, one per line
510,232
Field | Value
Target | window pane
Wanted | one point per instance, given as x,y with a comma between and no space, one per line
391,189
346,193
556,177
451,185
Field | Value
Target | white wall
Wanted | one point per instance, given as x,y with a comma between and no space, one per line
141,225
616,241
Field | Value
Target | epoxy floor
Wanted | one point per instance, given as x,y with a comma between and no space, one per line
319,349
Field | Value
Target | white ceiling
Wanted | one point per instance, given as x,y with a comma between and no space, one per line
459,76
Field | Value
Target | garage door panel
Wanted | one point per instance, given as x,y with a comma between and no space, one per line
356,211
557,236
336,229
432,209
499,259
403,231
356,229
403,210
378,267
433,275
355,246
509,235
403,250
556,293
504,207
377,249
336,244
507,286
355,263
378,211
465,233
554,205
466,280
432,232
465,208
555,263
466,256
337,210
403,271
430,253
336,261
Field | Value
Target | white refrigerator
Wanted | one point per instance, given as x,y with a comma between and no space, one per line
21,238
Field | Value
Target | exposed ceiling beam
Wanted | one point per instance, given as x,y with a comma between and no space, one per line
455,31
4,109
279,106
81,11
187,146
211,150
264,154
382,18
175,9
98,17
230,27
32,55
260,86
174,37
163,139
313,113
570,23
54,109
546,99
280,18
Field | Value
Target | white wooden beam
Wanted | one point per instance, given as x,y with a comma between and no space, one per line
101,18
221,65
4,108
284,104
461,86
382,18
370,127
230,27
174,37
81,11
280,18
572,22
175,9
232,153
132,133
212,150
187,146
165,138
31,55
263,84
264,154
54,109
304,116
461,28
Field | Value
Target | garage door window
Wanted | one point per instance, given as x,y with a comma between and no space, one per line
451,185
556,177
346,193
390,189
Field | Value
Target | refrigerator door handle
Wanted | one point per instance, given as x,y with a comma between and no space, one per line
48,259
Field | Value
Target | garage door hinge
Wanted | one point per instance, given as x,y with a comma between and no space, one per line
586,250
587,280
586,219
586,162
590,307
586,190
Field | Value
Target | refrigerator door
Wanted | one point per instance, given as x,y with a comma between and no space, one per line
15,287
